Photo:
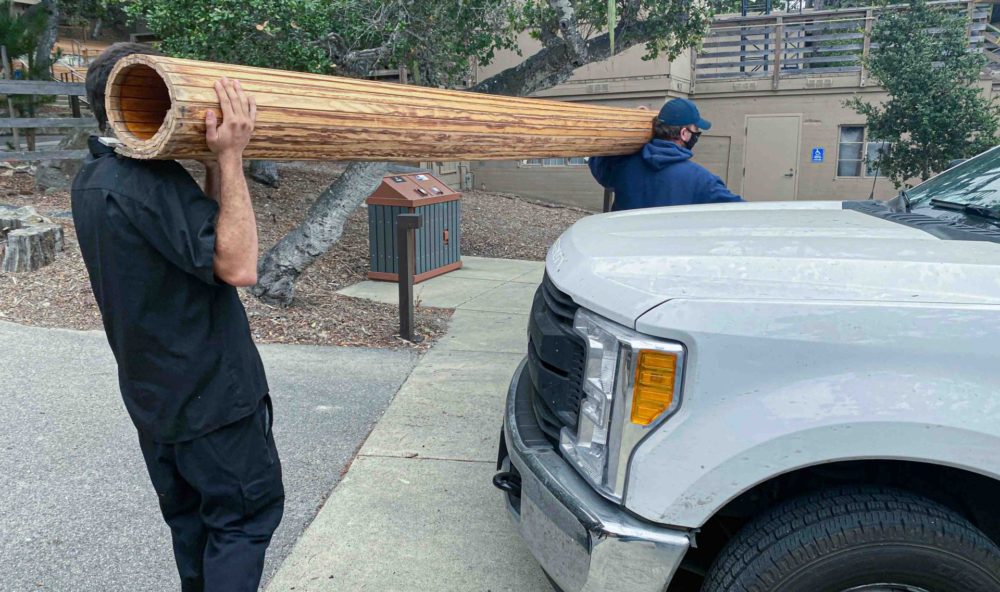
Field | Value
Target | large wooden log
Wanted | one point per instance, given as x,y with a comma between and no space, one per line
157,106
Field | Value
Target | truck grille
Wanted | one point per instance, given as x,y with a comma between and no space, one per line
556,357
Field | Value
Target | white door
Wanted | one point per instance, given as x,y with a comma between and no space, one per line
771,157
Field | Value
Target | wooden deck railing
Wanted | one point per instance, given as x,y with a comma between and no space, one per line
991,44
776,46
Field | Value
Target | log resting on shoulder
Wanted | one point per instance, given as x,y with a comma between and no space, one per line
157,107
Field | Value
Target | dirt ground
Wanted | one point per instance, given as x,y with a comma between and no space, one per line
493,225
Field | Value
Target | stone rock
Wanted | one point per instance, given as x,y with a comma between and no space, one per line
58,175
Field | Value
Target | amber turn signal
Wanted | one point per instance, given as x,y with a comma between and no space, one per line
654,385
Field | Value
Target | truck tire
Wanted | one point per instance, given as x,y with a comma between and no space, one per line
857,539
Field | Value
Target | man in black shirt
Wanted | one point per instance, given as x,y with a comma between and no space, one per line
164,259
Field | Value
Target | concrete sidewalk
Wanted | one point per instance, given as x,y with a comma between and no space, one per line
417,510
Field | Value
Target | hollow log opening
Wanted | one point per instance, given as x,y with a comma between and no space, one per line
139,102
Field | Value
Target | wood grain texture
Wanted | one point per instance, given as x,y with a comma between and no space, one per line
157,106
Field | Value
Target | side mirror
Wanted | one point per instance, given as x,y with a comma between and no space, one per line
956,162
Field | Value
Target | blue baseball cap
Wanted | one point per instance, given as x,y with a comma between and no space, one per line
681,112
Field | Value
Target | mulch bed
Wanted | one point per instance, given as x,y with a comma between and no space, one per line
493,225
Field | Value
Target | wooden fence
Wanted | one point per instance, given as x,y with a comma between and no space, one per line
73,90
804,44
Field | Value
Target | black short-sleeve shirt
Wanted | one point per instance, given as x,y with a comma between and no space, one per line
187,363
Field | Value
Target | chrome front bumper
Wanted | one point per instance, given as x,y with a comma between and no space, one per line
582,541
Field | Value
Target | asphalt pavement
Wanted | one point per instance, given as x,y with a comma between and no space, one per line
77,512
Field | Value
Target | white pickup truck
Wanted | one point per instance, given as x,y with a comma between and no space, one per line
767,397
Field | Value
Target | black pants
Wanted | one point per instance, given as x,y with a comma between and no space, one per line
222,496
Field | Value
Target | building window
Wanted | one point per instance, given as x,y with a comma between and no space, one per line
850,151
555,162
856,154
873,150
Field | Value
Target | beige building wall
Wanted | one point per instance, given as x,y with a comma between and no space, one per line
821,114
782,127
722,151
625,75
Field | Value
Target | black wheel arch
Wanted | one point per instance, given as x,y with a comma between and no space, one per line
971,495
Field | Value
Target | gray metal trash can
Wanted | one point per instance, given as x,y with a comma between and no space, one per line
437,241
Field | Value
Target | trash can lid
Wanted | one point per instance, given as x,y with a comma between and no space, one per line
411,190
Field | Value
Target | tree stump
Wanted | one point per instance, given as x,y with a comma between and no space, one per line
8,224
33,247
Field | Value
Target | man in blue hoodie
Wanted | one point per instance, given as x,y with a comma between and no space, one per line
662,174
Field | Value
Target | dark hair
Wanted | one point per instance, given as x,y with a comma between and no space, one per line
662,131
99,71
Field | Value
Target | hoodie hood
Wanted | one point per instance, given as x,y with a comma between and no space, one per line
659,153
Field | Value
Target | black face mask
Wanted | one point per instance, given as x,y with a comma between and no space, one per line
694,140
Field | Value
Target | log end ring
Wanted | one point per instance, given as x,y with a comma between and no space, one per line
139,104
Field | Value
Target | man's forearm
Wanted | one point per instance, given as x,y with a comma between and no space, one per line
236,229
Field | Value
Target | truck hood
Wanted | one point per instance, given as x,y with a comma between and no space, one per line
622,265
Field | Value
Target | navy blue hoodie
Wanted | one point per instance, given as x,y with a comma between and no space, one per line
661,174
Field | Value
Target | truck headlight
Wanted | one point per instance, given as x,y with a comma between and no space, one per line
631,383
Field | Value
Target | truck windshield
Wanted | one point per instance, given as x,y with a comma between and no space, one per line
975,182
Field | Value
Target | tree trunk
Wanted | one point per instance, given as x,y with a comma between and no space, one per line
33,247
553,65
323,225
265,172
47,40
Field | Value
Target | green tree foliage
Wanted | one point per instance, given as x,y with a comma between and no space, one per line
281,34
936,111
439,41
98,15
21,34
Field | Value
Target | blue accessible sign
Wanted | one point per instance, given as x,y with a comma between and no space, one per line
817,154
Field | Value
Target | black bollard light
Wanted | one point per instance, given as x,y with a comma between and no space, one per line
406,229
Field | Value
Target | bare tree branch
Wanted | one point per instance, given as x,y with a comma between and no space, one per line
566,14
549,32
553,65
